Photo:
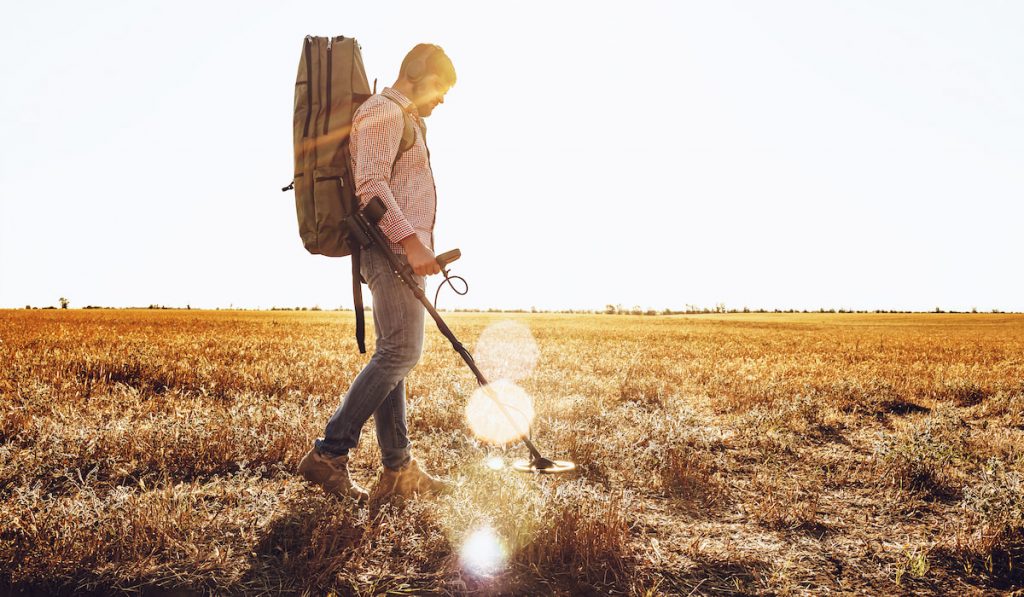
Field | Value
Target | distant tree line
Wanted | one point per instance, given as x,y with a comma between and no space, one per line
721,308
610,309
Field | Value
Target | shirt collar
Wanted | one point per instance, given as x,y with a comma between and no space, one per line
399,97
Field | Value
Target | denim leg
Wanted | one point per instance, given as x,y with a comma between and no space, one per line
390,424
392,434
398,320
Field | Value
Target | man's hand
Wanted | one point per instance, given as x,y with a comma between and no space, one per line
420,257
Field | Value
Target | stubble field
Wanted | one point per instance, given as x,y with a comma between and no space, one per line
154,451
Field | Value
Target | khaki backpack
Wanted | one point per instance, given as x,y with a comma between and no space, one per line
330,86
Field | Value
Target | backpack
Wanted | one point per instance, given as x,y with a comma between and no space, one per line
330,86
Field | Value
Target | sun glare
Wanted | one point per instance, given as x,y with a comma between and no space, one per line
483,553
506,350
500,412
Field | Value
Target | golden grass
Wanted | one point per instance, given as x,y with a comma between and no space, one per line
775,454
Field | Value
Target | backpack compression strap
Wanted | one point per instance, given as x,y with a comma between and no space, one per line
357,299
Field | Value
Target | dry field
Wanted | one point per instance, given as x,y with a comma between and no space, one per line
153,451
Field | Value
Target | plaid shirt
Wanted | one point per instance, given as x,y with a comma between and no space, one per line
408,189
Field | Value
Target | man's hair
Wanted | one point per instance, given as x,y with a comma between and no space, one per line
427,59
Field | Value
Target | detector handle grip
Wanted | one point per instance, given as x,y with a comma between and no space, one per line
447,257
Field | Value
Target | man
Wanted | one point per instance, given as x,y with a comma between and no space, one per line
405,182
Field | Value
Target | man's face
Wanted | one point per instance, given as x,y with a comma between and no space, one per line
429,93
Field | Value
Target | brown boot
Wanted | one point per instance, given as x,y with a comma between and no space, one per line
385,487
408,481
331,474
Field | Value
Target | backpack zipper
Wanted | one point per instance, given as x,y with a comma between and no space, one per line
309,84
330,76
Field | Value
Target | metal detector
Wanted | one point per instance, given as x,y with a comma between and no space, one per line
362,226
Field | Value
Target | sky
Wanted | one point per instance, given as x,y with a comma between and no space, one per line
789,154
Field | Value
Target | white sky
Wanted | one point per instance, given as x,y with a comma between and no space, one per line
767,154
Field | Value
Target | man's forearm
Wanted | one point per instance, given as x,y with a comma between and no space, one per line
413,245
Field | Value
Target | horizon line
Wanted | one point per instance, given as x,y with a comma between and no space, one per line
582,311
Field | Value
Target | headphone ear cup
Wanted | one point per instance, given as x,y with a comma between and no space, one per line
416,69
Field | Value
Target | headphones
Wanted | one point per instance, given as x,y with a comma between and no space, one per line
417,67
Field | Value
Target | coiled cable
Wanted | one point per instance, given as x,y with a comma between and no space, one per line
448,279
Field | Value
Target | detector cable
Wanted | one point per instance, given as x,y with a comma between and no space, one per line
448,280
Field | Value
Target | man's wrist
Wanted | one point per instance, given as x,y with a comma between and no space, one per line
409,242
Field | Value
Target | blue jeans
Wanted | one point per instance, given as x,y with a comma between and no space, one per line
379,389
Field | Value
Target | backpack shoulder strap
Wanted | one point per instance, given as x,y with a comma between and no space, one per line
408,134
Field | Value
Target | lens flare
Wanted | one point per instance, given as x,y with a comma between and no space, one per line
506,350
483,553
487,409
495,463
